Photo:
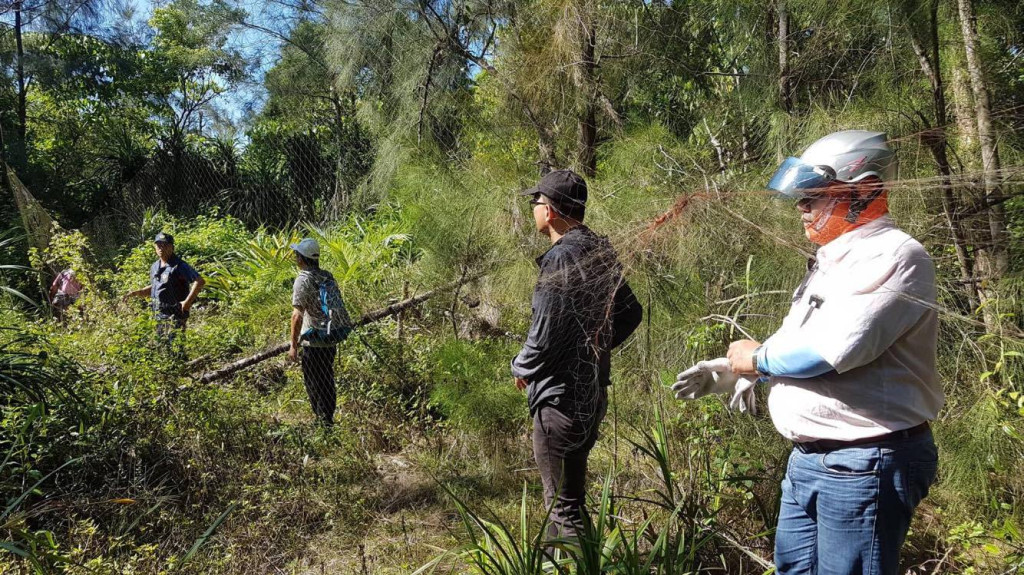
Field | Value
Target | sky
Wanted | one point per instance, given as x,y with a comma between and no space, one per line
255,46
129,18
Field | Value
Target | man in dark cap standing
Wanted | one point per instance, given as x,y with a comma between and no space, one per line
582,309
174,287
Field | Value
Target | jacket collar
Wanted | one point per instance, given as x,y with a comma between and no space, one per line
568,238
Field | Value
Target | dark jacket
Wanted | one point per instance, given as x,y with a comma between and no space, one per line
582,309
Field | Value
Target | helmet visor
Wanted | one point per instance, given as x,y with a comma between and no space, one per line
797,179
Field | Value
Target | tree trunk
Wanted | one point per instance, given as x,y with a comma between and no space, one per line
5,176
587,133
993,258
547,159
717,145
22,127
785,93
744,136
546,151
964,107
341,200
936,141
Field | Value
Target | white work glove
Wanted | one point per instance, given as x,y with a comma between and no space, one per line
705,378
715,376
743,397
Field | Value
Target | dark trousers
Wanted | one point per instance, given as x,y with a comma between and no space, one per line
61,303
562,440
318,377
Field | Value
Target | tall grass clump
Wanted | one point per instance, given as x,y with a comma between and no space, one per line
664,528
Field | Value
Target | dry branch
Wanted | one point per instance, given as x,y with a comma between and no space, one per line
376,315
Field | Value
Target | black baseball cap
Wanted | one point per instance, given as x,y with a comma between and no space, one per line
564,187
163,238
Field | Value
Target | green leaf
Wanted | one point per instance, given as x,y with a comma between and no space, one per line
206,536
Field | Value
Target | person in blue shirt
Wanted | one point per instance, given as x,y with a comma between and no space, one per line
174,287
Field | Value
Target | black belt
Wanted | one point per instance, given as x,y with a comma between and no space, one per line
824,445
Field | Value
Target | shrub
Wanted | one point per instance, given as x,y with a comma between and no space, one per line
474,390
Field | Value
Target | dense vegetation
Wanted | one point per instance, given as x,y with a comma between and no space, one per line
398,132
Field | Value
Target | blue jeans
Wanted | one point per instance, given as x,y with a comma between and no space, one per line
847,511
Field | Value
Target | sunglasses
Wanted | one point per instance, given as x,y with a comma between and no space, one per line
535,201
824,192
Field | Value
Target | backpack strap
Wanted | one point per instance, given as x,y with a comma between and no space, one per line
324,304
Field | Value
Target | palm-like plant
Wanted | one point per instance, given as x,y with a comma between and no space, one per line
7,241
36,548
266,255
32,377
367,255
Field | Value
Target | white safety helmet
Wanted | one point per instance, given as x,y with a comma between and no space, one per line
847,156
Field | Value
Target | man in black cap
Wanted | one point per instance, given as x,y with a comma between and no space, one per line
582,309
174,287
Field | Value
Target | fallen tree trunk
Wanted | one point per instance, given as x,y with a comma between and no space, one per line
376,315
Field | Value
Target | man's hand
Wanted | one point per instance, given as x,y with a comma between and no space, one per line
520,383
741,356
185,306
707,377
141,292
293,354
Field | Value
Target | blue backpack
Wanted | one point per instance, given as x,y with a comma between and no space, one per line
339,326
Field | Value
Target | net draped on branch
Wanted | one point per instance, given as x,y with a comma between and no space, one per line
368,318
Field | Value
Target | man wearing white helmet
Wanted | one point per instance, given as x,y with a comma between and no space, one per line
852,375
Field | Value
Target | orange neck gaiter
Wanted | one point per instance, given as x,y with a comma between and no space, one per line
835,219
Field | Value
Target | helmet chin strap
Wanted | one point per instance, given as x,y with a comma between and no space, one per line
858,202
